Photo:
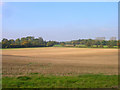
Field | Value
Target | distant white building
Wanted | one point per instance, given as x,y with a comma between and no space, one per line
100,38
113,38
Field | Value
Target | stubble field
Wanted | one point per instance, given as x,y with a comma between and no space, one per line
59,61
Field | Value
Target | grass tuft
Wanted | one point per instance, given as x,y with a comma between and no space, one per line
24,78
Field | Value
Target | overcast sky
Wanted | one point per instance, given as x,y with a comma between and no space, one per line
60,21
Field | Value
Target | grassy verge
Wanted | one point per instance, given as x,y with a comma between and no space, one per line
22,48
77,46
41,81
115,47
85,47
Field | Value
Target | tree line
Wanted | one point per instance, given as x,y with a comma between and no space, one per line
26,42
92,43
39,42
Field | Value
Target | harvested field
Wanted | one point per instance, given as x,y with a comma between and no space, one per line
59,61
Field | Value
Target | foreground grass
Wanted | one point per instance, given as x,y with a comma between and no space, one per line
41,81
